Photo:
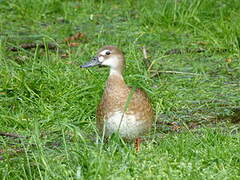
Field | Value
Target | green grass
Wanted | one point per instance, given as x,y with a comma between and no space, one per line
52,102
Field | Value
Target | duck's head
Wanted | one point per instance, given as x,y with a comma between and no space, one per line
107,56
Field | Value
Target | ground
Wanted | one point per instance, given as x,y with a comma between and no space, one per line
183,53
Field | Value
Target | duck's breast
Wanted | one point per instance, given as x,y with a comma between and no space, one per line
128,126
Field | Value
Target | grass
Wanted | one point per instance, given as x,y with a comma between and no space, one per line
51,101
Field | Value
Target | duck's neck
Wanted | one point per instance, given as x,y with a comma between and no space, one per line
115,79
115,72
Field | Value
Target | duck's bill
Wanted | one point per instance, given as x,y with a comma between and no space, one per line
94,62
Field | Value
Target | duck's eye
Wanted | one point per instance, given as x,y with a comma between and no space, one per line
108,53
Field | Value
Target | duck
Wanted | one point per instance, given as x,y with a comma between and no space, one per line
124,110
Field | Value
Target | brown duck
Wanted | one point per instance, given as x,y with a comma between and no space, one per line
123,109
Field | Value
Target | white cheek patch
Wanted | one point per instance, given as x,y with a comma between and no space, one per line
103,53
100,58
111,62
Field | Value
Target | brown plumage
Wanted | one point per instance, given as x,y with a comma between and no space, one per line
122,109
115,98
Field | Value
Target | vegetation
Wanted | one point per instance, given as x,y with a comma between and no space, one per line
191,74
